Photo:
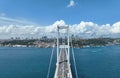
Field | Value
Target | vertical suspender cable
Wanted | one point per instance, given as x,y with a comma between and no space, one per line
76,73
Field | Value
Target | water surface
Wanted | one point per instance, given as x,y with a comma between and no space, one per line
99,62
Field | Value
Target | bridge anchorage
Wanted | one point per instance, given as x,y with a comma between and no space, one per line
63,69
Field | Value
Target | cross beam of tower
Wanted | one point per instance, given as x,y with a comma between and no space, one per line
63,69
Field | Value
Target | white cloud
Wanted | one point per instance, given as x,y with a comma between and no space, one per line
83,29
7,20
71,4
116,28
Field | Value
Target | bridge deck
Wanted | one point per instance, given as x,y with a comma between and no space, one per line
63,68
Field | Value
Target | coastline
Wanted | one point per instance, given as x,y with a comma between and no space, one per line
48,43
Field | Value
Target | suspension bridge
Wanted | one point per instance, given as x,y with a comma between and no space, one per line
63,66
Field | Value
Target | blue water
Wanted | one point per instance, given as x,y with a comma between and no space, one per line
99,62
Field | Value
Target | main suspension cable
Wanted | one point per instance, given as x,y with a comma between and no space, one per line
76,73
50,61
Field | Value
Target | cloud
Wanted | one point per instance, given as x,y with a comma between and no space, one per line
83,29
71,4
116,28
2,14
7,21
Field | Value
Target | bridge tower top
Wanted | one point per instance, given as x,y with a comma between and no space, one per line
64,44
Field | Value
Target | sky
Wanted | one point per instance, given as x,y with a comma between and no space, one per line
36,14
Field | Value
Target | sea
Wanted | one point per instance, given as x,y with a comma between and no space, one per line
31,62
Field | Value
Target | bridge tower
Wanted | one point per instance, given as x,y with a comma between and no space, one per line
63,69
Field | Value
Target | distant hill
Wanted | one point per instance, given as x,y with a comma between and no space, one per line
46,42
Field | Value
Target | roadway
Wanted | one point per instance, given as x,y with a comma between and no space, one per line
64,70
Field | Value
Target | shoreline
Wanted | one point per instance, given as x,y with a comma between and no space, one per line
25,46
48,43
